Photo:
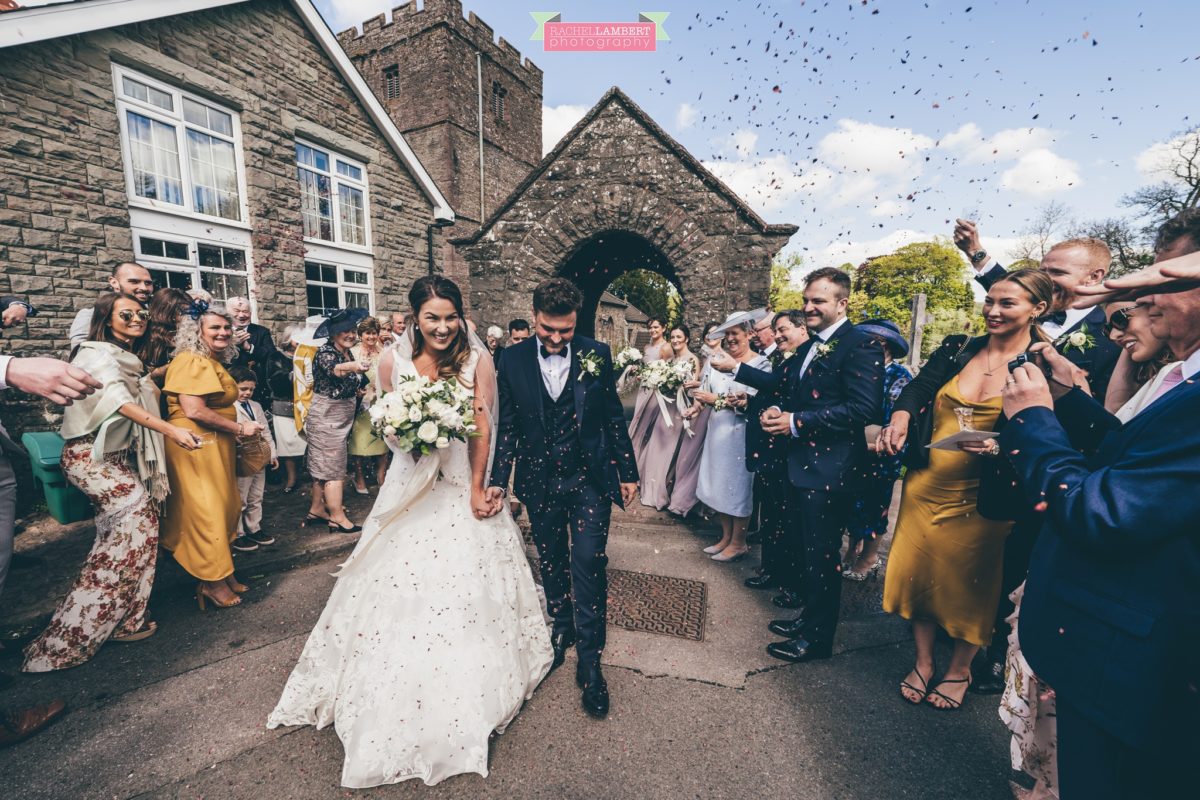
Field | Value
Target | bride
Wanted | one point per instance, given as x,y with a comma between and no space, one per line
433,635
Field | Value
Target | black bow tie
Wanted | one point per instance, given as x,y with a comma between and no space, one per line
547,354
1057,317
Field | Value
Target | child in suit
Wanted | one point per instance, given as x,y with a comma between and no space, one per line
250,535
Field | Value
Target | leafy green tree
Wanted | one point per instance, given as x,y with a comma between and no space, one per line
785,292
884,286
946,322
649,292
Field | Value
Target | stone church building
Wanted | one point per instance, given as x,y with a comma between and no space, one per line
239,146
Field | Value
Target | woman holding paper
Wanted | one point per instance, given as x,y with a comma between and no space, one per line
946,561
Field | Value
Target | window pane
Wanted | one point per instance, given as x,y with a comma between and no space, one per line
195,113
154,158
176,250
134,89
321,298
233,258
152,247
312,157
222,286
315,208
354,276
312,271
210,255
160,98
349,170
358,300
214,176
350,207
168,278
220,122
147,94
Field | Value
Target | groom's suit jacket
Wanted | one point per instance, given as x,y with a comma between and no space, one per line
839,395
521,434
1111,612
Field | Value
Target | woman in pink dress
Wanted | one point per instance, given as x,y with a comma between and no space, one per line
644,410
667,432
687,460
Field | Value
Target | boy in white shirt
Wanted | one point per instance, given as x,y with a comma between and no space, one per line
250,534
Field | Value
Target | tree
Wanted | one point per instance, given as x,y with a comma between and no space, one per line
1046,228
650,293
947,322
1177,163
1126,243
884,286
785,293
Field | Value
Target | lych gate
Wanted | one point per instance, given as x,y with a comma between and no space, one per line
617,193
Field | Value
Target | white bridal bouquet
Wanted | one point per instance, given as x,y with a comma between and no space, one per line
665,376
628,357
423,415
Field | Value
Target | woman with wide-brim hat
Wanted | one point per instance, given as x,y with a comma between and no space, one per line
879,473
338,378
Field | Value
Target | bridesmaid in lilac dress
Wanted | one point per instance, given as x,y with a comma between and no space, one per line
645,411
659,455
687,461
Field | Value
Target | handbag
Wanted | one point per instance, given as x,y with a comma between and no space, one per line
253,454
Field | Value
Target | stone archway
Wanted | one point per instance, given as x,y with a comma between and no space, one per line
618,175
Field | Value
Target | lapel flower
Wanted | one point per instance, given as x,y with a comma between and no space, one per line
788,354
589,364
1080,340
825,348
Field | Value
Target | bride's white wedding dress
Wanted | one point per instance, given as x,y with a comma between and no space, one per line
433,636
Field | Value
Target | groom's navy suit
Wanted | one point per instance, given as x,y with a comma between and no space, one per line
571,454
1111,613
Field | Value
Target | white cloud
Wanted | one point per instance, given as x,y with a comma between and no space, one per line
855,252
864,147
1003,145
1041,172
744,142
1159,160
969,132
889,208
556,121
768,184
685,117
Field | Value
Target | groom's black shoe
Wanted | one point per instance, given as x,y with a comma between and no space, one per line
595,690
799,650
561,642
787,628
787,599
763,581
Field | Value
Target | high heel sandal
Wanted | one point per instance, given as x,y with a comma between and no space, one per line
870,574
201,595
311,519
954,705
336,528
923,692
148,629
237,587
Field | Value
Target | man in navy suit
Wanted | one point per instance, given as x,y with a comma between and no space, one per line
1111,612
822,399
561,421
1071,265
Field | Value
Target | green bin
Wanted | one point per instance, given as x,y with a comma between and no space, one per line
66,503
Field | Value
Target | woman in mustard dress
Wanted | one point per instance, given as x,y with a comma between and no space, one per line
200,518
364,444
946,562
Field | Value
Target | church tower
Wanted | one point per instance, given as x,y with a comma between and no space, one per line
431,68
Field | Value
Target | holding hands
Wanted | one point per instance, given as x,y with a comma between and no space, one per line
486,502
776,422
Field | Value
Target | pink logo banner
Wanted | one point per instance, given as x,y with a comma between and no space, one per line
600,37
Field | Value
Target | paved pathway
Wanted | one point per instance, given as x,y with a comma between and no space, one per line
181,715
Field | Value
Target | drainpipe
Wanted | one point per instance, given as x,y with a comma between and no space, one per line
479,79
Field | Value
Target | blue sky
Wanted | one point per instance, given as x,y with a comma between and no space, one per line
873,124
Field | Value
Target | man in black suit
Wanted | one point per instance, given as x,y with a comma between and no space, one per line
1070,265
821,401
561,422
1110,614
255,348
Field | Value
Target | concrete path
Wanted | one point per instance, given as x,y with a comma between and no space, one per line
181,714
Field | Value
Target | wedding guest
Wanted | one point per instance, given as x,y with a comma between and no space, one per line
338,377
873,496
200,519
253,345
251,487
1143,355
289,444
494,335
644,409
1108,613
724,484
166,308
687,461
127,278
664,441
114,454
364,444
385,330
63,384
764,336
766,457
518,330
946,562
399,323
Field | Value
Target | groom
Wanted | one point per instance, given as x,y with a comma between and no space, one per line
562,422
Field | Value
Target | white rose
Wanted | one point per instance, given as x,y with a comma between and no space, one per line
389,430
428,432
451,419
442,443
414,414
1077,339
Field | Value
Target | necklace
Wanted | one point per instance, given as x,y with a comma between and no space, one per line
1003,363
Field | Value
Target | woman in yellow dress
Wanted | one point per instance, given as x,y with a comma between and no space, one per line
200,519
364,444
946,562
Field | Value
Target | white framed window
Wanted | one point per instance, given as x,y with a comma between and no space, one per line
182,151
219,268
331,286
334,202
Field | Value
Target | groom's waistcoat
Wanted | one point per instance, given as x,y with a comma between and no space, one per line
564,457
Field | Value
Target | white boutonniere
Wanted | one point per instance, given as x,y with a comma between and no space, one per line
825,348
589,364
788,354
1081,340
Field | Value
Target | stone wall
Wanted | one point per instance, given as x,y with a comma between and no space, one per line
64,217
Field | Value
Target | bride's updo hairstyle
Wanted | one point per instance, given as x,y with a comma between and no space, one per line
432,287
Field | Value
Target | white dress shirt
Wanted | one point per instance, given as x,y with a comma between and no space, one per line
81,326
770,349
555,370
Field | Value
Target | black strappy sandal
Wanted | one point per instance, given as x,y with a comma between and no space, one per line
923,691
954,705
314,519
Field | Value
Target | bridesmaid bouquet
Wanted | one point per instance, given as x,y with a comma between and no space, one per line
627,363
421,415
665,378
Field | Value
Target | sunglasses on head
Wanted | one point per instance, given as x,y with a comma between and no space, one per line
127,314
1120,318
